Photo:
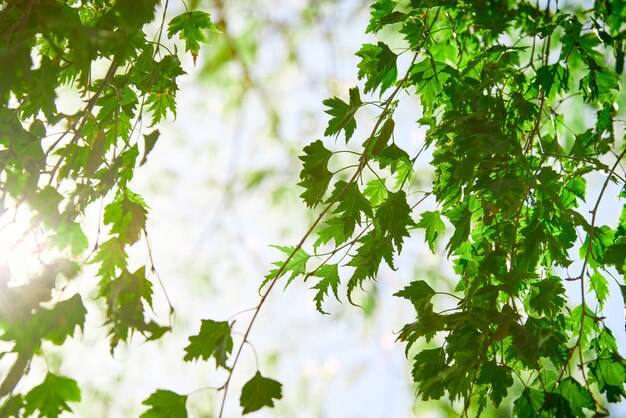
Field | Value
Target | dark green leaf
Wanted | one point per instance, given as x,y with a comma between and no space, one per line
498,379
351,205
377,66
342,114
213,340
315,175
259,392
394,217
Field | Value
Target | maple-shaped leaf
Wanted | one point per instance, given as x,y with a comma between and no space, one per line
51,397
315,175
127,216
165,404
393,217
496,377
61,321
111,257
374,248
577,395
434,226
190,27
70,235
159,104
213,340
259,392
599,284
429,368
351,203
333,230
376,191
609,371
382,14
529,403
547,296
330,280
419,293
342,114
296,265
378,66
460,217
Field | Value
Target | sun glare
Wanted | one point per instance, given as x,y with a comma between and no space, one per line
22,251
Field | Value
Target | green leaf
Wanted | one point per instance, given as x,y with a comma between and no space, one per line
342,114
428,372
497,378
149,140
377,66
378,142
383,14
127,216
376,191
351,205
374,248
259,392
70,235
296,265
600,286
434,226
546,296
419,293
315,175
460,217
159,104
330,280
213,340
190,27
333,230
394,217
165,404
396,159
61,321
12,407
51,397
609,371
577,396
528,404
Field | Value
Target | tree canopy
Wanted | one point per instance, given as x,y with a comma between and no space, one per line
521,110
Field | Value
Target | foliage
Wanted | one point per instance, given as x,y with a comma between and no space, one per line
497,82
54,164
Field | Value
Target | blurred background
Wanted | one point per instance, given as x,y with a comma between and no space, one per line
221,185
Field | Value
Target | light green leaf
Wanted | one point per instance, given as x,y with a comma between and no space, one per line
165,404
433,224
51,397
190,27
330,280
